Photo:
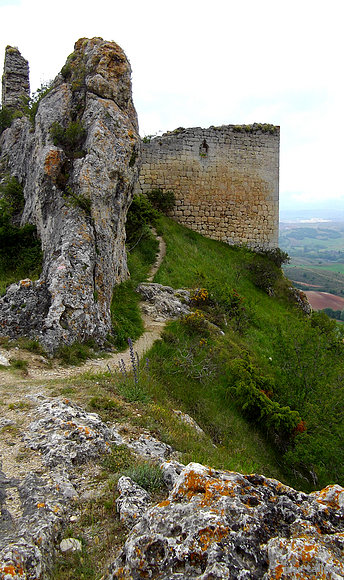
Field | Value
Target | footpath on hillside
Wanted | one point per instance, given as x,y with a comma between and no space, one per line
37,368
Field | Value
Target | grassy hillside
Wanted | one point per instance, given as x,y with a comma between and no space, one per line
270,379
263,380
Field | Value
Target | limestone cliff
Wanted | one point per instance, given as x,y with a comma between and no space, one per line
78,163
15,80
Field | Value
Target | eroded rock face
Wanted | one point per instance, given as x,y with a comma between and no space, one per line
218,524
132,501
78,165
15,79
163,302
66,437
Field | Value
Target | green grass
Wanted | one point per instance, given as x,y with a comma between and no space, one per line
301,357
125,311
27,263
337,268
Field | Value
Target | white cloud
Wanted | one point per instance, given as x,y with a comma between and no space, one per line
197,63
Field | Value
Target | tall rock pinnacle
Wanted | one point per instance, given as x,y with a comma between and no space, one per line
78,166
15,80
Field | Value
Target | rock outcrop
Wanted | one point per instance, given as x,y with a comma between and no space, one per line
219,524
163,302
78,164
67,437
15,80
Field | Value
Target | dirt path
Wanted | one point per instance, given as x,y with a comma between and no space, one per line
18,404
37,369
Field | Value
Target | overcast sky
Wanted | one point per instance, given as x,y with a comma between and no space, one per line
214,62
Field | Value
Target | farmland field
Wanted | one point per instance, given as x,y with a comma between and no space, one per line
317,255
321,300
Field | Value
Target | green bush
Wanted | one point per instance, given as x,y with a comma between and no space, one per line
253,393
141,215
122,461
276,255
196,323
147,475
12,198
77,200
20,248
119,459
70,138
19,364
6,118
264,274
77,352
233,304
32,105
163,201
125,311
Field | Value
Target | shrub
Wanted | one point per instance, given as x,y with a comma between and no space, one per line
140,216
147,475
200,296
119,458
76,353
31,345
163,201
104,404
196,323
20,249
276,255
264,274
32,106
12,197
233,304
253,391
77,200
70,138
19,364
6,118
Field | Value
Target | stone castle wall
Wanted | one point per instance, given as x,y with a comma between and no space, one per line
225,180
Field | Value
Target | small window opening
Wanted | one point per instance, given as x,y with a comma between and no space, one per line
203,149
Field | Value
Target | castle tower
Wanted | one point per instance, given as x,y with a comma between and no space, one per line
15,80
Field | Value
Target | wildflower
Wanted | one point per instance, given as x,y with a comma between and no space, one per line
134,361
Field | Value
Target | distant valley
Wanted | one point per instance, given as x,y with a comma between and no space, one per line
315,243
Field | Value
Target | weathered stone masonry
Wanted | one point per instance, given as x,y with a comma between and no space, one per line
225,180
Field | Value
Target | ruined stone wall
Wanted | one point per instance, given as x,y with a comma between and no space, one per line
225,180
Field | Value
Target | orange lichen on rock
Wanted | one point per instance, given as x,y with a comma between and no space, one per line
86,430
302,558
210,488
26,283
12,570
164,503
52,163
332,496
210,534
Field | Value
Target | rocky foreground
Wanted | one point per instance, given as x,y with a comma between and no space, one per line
212,524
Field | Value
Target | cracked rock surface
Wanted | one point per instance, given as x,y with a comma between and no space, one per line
67,437
77,191
218,524
163,302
